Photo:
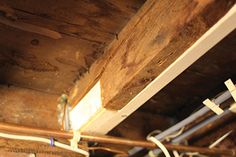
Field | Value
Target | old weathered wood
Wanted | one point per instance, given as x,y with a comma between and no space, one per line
159,33
48,46
102,17
40,63
18,154
108,118
28,107
204,79
28,147
12,154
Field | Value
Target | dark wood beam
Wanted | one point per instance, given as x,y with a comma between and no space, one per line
159,33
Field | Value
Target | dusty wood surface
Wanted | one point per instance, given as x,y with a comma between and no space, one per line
15,147
28,107
14,154
31,108
152,40
47,46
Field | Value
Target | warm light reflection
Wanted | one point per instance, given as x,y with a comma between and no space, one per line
86,108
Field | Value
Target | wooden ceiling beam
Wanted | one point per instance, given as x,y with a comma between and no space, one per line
28,107
159,43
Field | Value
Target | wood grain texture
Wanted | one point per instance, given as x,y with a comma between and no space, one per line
24,148
12,154
47,46
184,95
28,107
159,33
15,154
204,79
92,18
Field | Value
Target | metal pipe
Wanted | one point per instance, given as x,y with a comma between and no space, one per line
109,140
199,126
220,99
189,132
226,95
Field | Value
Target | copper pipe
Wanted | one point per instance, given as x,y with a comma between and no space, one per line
110,140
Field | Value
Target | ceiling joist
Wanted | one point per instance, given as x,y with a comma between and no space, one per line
160,42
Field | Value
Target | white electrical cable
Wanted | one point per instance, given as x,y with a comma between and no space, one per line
233,108
44,140
220,139
76,138
151,154
211,146
160,145
175,134
167,138
175,153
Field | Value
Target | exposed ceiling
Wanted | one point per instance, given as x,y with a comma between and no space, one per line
204,79
45,47
185,94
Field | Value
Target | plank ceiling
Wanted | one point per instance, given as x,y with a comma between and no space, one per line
47,46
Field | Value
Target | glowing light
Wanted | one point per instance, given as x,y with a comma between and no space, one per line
86,108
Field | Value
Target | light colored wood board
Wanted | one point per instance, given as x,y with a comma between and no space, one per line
28,107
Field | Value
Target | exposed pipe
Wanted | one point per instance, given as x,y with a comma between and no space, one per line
109,140
199,126
44,140
189,132
220,99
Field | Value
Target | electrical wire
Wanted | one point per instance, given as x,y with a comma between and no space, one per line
154,132
44,140
233,108
211,146
167,138
175,134
175,153
160,145
220,139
